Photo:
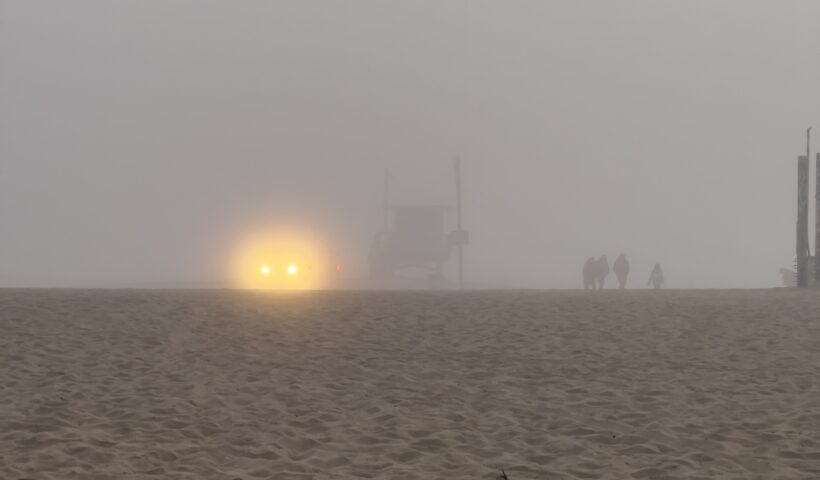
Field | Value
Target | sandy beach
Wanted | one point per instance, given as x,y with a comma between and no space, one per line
409,385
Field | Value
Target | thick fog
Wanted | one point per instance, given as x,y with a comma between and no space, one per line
140,139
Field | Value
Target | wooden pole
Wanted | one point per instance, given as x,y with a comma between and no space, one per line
460,246
386,203
802,220
816,273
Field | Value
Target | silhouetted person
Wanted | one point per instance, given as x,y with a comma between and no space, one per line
601,271
656,277
621,269
588,273
789,277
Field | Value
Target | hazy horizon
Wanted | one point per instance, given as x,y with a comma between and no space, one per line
139,141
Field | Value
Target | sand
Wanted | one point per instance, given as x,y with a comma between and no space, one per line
409,385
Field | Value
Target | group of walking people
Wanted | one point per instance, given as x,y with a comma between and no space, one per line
595,272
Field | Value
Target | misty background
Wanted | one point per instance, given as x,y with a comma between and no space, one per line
139,140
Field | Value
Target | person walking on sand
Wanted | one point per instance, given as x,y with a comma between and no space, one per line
621,269
656,277
601,271
588,273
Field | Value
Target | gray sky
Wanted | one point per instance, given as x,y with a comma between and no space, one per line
140,139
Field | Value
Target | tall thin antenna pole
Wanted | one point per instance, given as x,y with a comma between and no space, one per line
460,246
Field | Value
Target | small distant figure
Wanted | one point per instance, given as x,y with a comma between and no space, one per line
588,273
788,277
621,269
601,271
656,277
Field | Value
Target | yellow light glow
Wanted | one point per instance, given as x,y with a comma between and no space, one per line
280,260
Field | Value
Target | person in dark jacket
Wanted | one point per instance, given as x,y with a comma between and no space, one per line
588,273
621,269
656,277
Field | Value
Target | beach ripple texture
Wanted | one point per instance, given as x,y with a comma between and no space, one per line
409,385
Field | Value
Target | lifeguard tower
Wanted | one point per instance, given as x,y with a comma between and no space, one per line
415,243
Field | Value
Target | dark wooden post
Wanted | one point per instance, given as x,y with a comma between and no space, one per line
802,220
460,245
